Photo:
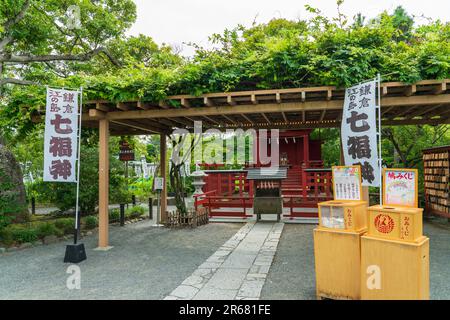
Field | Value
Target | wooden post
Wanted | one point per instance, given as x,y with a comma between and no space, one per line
103,184
365,194
163,154
306,150
341,149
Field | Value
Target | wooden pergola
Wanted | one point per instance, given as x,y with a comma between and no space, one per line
424,102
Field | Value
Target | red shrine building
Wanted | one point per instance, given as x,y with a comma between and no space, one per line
228,193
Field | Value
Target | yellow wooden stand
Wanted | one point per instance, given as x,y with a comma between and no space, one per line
396,223
337,261
403,268
343,215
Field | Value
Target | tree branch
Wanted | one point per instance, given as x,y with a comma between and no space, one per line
11,58
16,81
10,23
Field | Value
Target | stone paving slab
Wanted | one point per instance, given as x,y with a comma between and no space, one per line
237,270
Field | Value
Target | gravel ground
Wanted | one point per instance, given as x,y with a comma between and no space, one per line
292,273
145,263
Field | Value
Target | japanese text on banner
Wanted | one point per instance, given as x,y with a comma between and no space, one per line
60,139
359,131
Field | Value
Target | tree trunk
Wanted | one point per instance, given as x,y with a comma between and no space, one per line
12,189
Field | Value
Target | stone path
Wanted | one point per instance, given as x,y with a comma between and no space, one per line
237,270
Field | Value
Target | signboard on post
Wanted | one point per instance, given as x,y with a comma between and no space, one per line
61,135
347,182
359,131
62,151
400,187
159,183
126,153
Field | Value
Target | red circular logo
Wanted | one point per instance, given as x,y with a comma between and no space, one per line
384,223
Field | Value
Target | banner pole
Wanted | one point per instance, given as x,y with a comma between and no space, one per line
77,213
380,159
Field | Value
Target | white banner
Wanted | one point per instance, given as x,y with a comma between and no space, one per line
359,131
61,135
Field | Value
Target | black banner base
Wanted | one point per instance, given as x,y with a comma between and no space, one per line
75,253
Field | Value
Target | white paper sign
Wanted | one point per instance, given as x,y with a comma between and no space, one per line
159,183
60,139
359,131
347,183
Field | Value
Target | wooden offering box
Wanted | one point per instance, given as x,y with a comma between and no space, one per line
337,257
343,215
402,267
395,223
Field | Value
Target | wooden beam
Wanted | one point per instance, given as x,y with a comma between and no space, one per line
440,88
303,115
211,120
402,112
185,103
421,111
142,105
128,123
278,97
163,104
103,184
207,101
190,119
284,117
101,107
410,90
266,118
96,114
253,99
397,102
322,115
183,121
386,110
231,101
123,106
247,118
228,118
440,113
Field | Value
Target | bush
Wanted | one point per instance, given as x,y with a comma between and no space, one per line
46,229
23,233
91,222
66,225
114,214
134,212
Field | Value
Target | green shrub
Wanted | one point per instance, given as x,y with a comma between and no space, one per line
91,222
23,233
6,236
44,229
134,212
66,225
114,214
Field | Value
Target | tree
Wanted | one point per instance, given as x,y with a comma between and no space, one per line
36,36
403,23
44,40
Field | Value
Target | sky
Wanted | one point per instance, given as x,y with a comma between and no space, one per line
175,22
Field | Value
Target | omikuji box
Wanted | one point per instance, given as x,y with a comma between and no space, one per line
347,216
337,257
396,223
393,270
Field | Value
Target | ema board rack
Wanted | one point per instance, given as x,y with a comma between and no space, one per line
343,215
436,168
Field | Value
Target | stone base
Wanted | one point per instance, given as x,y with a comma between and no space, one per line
75,253
103,248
